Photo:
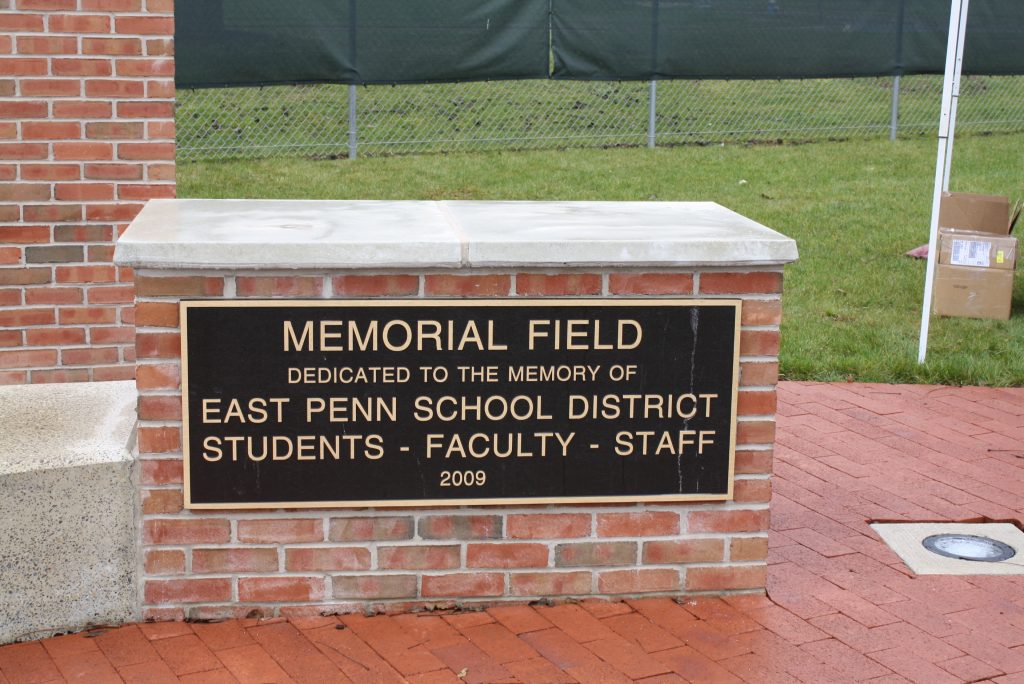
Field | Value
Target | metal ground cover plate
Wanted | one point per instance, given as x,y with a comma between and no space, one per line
906,540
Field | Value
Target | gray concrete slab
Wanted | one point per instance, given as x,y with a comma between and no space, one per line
664,234
363,234
288,234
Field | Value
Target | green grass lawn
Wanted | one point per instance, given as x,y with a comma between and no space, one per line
852,304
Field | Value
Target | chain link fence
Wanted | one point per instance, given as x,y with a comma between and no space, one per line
338,121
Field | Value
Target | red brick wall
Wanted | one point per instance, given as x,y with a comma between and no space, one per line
212,564
86,137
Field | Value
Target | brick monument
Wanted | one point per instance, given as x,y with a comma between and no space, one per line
204,562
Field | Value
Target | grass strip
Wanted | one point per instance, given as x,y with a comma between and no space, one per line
852,303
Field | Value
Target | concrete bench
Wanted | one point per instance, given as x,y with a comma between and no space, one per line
67,507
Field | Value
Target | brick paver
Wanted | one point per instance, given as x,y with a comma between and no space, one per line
840,606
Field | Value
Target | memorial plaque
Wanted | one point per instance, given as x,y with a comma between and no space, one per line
428,402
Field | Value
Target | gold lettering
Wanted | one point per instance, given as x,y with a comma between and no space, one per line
535,332
422,334
279,402
326,334
638,335
705,442
707,403
433,442
212,451
234,411
258,411
471,334
391,325
491,344
573,332
314,405
374,447
278,455
362,343
305,451
209,407
597,338
303,344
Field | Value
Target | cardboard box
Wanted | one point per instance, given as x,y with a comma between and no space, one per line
977,257
972,292
983,213
977,249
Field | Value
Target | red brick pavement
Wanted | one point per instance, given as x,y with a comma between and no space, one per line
840,606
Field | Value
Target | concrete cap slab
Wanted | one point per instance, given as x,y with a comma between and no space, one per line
264,234
621,233
295,234
44,427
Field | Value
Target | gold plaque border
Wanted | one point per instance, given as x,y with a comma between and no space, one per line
185,305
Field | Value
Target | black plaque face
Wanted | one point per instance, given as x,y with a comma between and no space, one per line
427,402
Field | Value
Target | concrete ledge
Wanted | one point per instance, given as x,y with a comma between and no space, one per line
295,234
67,507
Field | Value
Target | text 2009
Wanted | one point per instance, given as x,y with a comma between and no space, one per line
463,478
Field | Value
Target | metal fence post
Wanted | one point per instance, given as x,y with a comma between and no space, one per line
895,115
652,108
353,132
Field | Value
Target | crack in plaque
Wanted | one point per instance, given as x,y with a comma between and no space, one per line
695,329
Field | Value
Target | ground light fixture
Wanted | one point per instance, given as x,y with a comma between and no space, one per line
969,547
955,548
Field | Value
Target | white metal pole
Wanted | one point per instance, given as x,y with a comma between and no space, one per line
955,103
950,84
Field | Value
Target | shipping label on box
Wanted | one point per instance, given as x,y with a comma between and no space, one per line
978,250
970,253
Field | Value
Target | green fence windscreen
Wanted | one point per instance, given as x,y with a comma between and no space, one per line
262,42
724,39
643,39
